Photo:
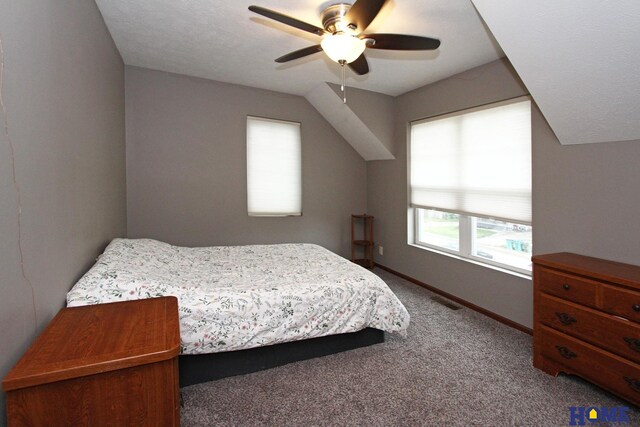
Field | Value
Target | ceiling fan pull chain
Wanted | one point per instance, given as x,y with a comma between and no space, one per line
343,87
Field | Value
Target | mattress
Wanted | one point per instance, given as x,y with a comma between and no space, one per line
239,297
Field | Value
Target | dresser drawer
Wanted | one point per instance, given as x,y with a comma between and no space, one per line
616,335
621,302
615,373
569,287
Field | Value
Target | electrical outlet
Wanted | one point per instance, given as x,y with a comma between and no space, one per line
380,250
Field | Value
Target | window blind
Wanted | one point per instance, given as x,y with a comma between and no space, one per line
475,162
274,181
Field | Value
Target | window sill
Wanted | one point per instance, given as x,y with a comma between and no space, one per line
473,261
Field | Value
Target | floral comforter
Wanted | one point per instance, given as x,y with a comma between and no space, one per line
238,297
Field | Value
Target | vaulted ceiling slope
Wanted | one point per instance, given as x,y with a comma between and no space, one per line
222,40
579,60
366,122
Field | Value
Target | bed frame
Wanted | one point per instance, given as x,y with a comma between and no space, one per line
200,368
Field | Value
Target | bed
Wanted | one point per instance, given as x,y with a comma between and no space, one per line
235,300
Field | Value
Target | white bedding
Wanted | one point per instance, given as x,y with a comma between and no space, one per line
239,297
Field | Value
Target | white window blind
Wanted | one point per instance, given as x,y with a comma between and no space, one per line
274,181
475,162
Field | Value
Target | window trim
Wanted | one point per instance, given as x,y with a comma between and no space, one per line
246,155
480,263
466,242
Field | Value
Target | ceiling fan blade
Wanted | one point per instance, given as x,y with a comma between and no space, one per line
288,20
363,12
401,42
360,65
299,53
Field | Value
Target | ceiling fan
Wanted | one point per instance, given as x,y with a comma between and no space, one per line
344,40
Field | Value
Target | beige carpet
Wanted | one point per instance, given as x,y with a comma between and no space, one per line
456,368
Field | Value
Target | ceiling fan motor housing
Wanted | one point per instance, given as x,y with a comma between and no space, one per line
333,18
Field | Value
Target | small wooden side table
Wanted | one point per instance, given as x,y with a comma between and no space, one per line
107,364
366,242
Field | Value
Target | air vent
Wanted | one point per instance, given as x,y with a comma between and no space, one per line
445,302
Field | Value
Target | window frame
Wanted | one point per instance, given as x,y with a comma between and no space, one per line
270,214
466,243
466,238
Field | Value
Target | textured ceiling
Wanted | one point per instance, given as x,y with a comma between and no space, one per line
222,40
579,62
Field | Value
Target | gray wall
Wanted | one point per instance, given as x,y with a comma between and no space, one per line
64,98
186,165
585,197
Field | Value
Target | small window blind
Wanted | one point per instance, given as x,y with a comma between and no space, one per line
475,162
274,181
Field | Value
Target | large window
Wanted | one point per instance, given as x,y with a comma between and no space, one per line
274,181
470,183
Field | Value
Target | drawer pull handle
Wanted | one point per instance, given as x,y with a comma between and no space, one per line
566,319
633,383
566,353
635,307
634,344
566,287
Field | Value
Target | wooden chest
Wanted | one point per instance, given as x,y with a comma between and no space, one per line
587,320
107,364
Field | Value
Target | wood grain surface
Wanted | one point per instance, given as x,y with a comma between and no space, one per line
105,364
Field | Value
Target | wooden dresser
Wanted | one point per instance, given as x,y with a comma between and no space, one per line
587,320
107,364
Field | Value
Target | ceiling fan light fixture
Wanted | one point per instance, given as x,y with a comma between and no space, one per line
341,47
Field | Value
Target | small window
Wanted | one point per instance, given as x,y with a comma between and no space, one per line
470,184
274,178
